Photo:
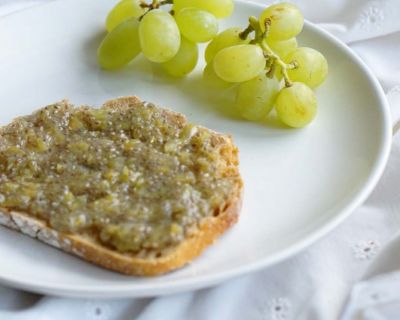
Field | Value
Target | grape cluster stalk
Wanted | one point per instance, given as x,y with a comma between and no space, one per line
263,62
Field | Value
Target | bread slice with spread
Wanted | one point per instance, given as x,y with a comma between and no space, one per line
129,186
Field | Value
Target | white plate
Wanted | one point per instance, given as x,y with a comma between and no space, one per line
299,184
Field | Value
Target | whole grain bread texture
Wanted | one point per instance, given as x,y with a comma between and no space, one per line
92,250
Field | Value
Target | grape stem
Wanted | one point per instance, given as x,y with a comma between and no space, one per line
246,32
155,4
273,60
277,61
250,28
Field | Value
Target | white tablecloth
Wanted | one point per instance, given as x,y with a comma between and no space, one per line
350,274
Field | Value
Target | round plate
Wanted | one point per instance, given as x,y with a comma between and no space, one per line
299,184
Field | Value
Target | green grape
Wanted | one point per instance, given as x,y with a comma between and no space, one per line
312,67
283,48
255,98
239,63
296,105
227,38
120,46
123,10
184,61
159,36
286,21
219,8
212,80
197,25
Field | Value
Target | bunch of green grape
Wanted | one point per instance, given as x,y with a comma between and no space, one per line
263,62
256,59
168,38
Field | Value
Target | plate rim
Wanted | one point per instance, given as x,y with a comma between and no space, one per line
204,281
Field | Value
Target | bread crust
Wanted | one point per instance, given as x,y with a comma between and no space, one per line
185,252
209,230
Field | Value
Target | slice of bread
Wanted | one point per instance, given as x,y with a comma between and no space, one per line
147,258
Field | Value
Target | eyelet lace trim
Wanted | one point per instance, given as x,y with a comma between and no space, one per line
371,17
280,309
97,311
365,250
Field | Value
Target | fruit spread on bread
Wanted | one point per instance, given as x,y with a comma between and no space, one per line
134,177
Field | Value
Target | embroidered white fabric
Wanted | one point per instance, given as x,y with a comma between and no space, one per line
325,281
